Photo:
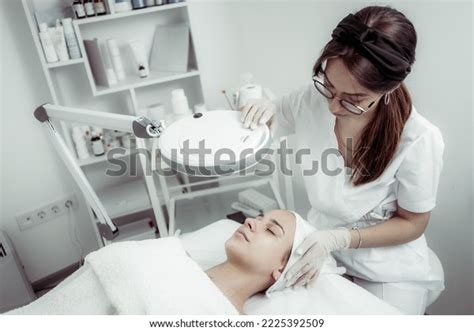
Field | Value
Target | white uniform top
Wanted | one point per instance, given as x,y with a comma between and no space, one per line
411,179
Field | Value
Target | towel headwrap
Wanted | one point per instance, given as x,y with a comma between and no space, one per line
302,229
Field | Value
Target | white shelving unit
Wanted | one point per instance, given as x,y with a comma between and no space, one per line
143,11
136,82
71,83
64,63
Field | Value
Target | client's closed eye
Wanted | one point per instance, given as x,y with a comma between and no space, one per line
270,230
275,230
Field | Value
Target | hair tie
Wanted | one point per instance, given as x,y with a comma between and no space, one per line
388,57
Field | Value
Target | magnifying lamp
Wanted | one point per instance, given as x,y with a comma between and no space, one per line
213,143
141,127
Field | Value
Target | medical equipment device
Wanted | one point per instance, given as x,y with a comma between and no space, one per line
141,127
213,143
15,289
248,211
222,133
239,217
257,200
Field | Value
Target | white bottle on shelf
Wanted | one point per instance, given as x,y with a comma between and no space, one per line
59,41
80,143
180,104
47,43
99,7
89,8
200,108
115,58
97,145
121,6
111,76
78,8
156,112
71,41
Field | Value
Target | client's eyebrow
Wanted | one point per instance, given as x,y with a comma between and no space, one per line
278,224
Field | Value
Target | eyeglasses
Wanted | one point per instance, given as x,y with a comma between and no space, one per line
326,92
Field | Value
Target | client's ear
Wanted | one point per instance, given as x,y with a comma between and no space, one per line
277,273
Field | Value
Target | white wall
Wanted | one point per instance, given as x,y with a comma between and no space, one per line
31,172
279,41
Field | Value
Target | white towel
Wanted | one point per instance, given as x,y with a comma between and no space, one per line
156,277
79,294
136,277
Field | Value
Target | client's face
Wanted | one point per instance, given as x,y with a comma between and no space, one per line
263,244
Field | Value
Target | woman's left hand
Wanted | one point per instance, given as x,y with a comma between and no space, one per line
315,249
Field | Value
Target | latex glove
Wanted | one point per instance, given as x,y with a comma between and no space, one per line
257,112
315,248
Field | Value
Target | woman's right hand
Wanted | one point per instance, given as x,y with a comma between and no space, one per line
257,112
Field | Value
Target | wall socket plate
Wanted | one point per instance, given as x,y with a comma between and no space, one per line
46,213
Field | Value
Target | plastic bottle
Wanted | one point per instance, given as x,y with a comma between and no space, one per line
78,8
59,41
115,58
97,145
47,43
138,4
99,7
89,7
156,112
71,41
200,108
80,143
179,103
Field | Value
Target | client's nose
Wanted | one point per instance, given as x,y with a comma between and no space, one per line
250,222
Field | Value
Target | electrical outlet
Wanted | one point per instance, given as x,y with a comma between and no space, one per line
25,221
46,213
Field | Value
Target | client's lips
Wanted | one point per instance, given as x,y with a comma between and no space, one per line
243,234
